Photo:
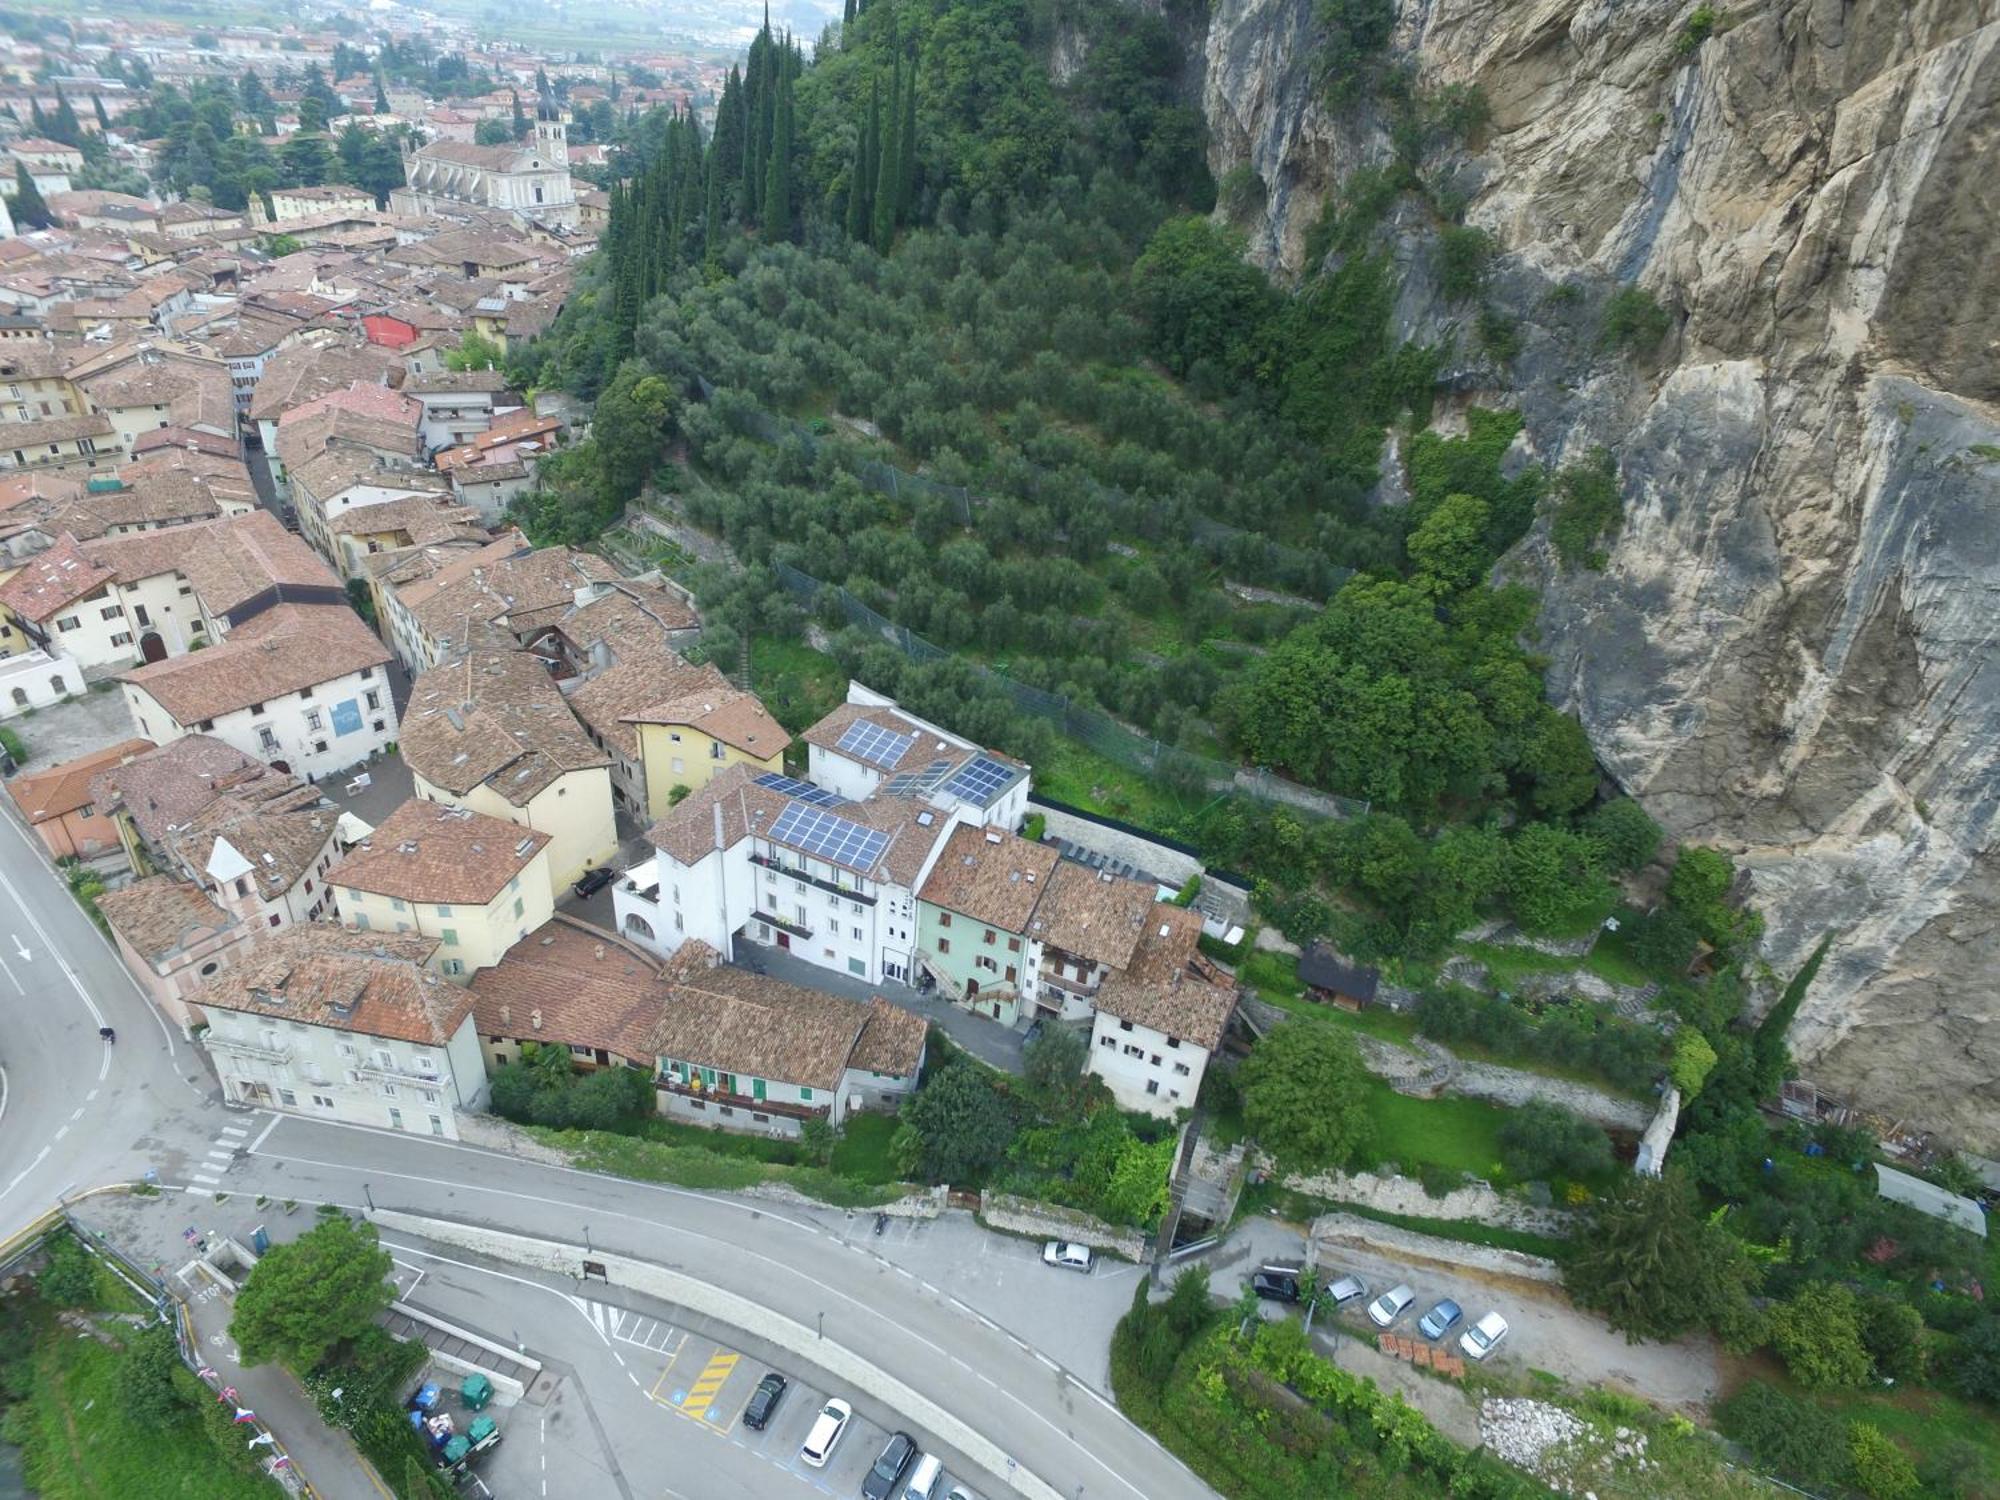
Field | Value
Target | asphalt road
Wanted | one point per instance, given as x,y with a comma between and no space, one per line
75,1111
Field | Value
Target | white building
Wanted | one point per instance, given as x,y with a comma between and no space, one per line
1160,1018
303,687
348,1026
528,178
869,745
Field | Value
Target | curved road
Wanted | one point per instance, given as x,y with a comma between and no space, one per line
79,1113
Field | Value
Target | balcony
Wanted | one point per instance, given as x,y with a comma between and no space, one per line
397,1073
832,888
1063,979
236,1046
716,1099
796,929
650,894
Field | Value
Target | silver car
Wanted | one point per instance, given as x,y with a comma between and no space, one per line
1347,1289
1391,1305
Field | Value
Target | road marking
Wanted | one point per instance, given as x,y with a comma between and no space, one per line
203,1177
664,1373
22,949
35,923
254,1145
10,976
91,1097
236,1130
62,1132
714,1375
77,1113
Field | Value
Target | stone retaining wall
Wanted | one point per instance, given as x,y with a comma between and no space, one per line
1474,1201
1052,1221
1330,1232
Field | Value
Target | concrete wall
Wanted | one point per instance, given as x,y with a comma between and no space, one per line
1476,1201
1171,865
826,1354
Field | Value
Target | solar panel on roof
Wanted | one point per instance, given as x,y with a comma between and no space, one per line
910,783
980,780
819,832
874,743
802,791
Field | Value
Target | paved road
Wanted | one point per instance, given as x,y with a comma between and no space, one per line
76,1111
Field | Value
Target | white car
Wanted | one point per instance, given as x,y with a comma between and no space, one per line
1390,1306
1069,1256
1479,1340
826,1430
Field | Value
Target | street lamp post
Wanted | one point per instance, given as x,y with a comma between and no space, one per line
822,1325
368,1193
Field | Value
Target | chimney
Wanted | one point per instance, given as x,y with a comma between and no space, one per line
535,1018
598,952
506,1014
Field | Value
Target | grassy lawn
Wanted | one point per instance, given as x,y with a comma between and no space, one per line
863,1152
798,684
723,1142
699,1163
1460,1135
1081,777
1612,958
1302,1208
81,1444
1923,1421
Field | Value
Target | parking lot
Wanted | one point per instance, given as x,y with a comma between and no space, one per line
692,1378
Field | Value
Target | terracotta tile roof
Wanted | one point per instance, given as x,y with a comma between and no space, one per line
493,718
501,591
606,700
914,830
1168,984
296,376
425,851
923,749
1092,915
229,562
369,983
442,382
287,647
278,837
571,984
326,473
59,789
424,519
161,916
50,581
991,876
165,787
758,1027
892,1043
720,711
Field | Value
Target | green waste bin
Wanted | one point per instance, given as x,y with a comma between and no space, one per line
481,1429
457,1448
476,1392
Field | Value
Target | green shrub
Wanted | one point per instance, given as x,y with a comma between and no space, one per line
1696,29
1881,1469
70,1277
1797,1439
1634,321
1499,335
1818,1335
1587,505
1464,253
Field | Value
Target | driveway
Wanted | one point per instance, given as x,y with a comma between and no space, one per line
1545,1332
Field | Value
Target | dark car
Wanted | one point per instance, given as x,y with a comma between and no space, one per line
888,1471
592,881
1275,1285
763,1401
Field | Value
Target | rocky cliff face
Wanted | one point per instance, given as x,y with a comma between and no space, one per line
1792,650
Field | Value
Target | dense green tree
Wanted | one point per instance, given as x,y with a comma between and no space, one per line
1817,1332
1201,298
956,1128
633,421
778,180
1882,1470
882,201
1552,876
492,133
520,124
1627,836
305,1298
1305,1095
1654,1265
1053,1064
27,206
1448,547
1541,1140
306,160
148,1376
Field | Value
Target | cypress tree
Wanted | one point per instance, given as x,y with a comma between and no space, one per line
846,23
711,214
726,150
30,212
861,180
884,225
103,120
65,125
757,138
778,191
39,120
381,96
906,141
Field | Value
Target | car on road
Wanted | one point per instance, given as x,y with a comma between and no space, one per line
1481,1338
959,1492
1391,1305
590,882
1347,1289
1440,1319
763,1401
826,1430
897,1456
1067,1254
1275,1285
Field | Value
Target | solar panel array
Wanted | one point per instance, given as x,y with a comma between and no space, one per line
800,791
875,744
980,781
910,783
819,832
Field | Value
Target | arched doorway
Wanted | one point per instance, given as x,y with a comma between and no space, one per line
280,767
151,647
638,926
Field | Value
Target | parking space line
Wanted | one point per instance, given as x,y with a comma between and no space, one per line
666,1370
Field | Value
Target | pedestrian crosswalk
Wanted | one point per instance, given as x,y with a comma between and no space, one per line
207,1174
626,1327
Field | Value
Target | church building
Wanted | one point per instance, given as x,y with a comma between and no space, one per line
529,177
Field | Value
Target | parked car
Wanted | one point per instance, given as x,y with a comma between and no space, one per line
1439,1320
924,1478
826,1430
763,1401
590,882
897,1455
1391,1305
1480,1339
1347,1289
959,1492
1275,1285
1064,1253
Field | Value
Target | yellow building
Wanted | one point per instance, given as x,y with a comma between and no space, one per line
685,740
476,884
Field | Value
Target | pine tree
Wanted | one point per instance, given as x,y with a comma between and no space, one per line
30,212
906,141
861,180
884,219
778,189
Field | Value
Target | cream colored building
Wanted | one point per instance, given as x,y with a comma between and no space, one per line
490,731
476,884
699,727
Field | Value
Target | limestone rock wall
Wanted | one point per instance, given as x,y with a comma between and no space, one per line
1791,652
